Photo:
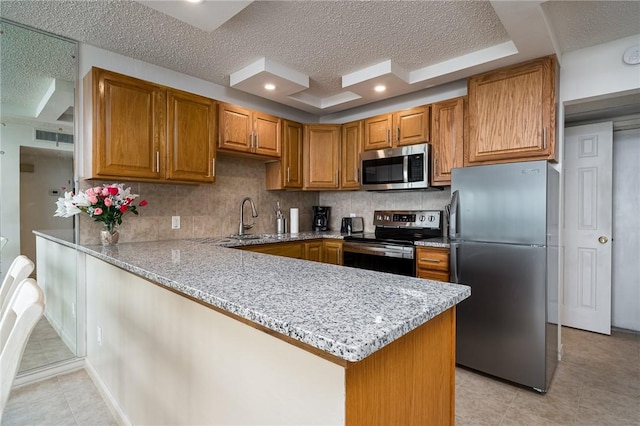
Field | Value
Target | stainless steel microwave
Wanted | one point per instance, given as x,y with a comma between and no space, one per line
395,168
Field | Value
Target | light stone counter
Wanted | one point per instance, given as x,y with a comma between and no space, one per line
348,313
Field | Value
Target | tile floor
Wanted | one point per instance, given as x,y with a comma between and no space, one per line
597,383
44,347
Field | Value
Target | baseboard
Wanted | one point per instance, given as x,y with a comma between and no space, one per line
109,399
48,372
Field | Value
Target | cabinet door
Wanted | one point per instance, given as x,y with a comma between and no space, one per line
377,132
512,113
294,250
266,134
411,126
129,128
292,154
191,137
313,251
235,128
332,252
447,139
351,144
321,156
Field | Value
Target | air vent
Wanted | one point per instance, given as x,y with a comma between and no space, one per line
44,135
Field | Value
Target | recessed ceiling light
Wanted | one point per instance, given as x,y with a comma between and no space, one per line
195,1
380,88
270,86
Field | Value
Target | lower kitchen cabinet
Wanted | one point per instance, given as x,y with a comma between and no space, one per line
313,251
432,263
332,251
294,249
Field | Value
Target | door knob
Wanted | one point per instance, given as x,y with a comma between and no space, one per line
603,239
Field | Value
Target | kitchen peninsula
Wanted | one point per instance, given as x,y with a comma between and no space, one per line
189,332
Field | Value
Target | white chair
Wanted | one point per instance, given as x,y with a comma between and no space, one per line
23,312
20,269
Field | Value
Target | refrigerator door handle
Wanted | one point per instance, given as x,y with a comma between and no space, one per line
453,215
454,263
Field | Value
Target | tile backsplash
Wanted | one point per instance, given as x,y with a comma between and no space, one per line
363,203
205,210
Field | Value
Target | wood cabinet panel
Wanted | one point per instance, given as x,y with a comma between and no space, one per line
294,249
411,126
313,251
267,135
432,263
235,128
321,156
191,137
377,132
128,125
332,252
512,113
287,173
351,146
417,386
249,132
447,139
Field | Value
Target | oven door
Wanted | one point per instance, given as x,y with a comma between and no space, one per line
381,257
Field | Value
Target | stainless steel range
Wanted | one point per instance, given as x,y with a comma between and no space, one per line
391,247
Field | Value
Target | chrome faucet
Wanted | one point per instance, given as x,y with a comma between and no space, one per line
254,213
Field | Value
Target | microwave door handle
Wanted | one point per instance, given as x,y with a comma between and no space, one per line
453,215
405,168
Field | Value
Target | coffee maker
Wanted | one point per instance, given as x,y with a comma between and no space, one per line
321,218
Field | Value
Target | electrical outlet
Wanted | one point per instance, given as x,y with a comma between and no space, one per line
175,222
73,310
99,336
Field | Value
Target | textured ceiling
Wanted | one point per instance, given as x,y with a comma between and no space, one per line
326,40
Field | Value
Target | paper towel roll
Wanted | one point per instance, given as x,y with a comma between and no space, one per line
293,220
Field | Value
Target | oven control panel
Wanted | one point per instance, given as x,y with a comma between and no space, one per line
408,218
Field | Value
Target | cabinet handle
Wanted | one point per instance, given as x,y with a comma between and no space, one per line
388,135
544,138
435,166
337,178
430,260
213,167
398,134
257,140
158,161
288,174
251,141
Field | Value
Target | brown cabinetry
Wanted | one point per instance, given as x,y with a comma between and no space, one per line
249,132
447,139
350,148
332,252
321,156
512,113
401,128
432,263
293,249
147,132
287,172
313,251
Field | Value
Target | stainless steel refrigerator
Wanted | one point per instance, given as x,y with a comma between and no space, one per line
504,244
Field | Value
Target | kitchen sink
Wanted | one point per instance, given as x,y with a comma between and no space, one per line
246,237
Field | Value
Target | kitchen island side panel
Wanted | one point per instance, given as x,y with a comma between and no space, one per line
167,360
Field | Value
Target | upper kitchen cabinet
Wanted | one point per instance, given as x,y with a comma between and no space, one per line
250,132
512,113
190,137
143,131
401,128
287,172
321,156
447,139
350,149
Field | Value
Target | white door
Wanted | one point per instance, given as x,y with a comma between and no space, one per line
588,157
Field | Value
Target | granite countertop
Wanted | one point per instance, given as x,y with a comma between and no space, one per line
346,312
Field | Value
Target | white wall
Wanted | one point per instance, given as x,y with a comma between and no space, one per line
587,75
12,137
626,230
